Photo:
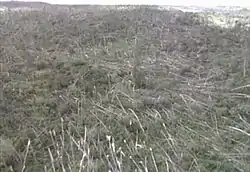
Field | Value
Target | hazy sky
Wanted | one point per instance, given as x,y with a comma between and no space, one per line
154,2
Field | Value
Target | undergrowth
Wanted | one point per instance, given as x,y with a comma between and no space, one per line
122,90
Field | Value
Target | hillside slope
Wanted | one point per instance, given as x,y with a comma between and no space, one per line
118,90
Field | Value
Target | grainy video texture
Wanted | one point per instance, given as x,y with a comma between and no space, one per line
123,88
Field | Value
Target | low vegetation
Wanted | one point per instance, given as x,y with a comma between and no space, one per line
143,89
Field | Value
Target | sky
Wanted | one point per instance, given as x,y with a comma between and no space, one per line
243,3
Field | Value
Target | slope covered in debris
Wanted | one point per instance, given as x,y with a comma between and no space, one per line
143,89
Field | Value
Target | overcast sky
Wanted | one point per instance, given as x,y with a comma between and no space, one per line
245,3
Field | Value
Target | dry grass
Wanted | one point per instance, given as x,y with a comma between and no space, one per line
108,90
